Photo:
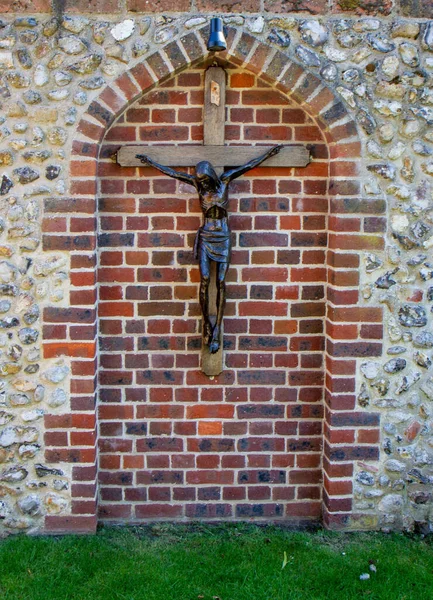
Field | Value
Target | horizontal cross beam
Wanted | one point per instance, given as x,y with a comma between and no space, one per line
292,155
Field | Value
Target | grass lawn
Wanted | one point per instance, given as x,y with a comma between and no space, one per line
225,562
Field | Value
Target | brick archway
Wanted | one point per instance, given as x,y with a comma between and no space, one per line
351,330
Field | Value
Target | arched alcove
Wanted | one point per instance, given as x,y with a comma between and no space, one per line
350,331
246,443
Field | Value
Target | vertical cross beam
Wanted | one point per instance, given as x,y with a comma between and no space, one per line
213,135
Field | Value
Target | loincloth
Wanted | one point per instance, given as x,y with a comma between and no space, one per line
215,244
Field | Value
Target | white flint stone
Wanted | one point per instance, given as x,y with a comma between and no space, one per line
164,35
307,56
57,295
372,188
195,22
6,60
425,113
26,451
407,381
24,385
8,437
41,76
62,78
255,25
422,458
42,268
373,493
427,96
74,24
58,95
236,20
70,44
396,151
370,369
399,191
118,52
55,504
347,95
5,417
390,66
7,272
41,290
139,48
391,503
409,54
427,167
360,90
329,72
14,523
398,416
388,109
144,25
374,149
99,31
111,68
366,25
427,388
38,136
32,415
163,20
80,98
335,55
57,398
405,29
30,505
4,510
395,466
7,42
361,54
60,484
386,133
399,223
39,393
56,374
122,31
428,243
427,40
313,33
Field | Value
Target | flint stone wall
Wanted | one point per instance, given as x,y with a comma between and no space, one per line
378,57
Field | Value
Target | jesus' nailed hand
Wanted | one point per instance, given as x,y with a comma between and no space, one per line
212,243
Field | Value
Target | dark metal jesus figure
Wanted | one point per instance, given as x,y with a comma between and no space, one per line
212,242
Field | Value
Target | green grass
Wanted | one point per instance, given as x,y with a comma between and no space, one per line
229,562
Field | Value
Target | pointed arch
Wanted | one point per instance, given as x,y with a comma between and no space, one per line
352,331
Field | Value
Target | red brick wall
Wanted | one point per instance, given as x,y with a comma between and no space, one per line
173,442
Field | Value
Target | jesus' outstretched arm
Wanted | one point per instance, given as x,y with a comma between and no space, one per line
228,176
185,177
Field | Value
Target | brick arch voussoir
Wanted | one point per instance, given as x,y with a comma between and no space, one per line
245,50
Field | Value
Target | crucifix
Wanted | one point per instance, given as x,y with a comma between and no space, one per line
212,245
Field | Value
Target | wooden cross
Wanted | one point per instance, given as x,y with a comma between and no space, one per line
220,156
